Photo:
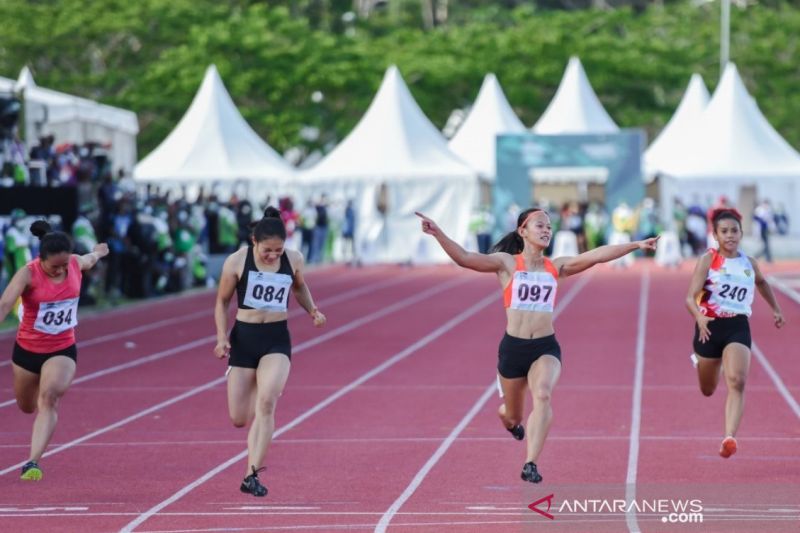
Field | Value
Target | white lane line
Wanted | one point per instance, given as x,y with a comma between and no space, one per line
205,340
383,523
441,330
422,439
394,509
636,405
300,347
782,389
785,288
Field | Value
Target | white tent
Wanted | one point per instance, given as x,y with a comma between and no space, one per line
476,139
213,145
71,119
731,148
666,147
396,157
575,107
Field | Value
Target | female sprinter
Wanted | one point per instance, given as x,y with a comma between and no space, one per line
529,355
45,356
260,350
720,299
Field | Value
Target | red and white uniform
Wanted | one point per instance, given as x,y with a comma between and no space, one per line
50,309
729,288
532,291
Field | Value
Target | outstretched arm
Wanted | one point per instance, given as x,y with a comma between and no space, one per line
765,289
474,261
13,291
87,261
568,266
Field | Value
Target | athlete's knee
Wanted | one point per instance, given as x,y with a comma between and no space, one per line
26,406
238,420
48,398
708,390
543,394
508,415
265,405
736,381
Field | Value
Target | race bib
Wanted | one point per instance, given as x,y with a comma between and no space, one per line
533,291
734,296
267,291
55,317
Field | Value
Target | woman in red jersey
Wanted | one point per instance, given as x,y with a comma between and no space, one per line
720,300
44,352
529,356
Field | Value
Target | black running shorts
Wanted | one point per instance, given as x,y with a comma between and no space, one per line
724,331
515,355
32,361
251,342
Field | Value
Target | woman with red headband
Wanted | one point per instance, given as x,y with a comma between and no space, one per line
720,299
529,356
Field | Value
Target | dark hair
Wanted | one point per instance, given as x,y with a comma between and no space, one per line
721,213
270,225
52,242
512,242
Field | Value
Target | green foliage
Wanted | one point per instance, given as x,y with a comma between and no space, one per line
150,55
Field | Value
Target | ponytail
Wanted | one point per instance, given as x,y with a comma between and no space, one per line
512,242
270,226
52,242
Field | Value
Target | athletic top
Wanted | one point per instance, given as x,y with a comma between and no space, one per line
50,309
729,288
532,291
265,291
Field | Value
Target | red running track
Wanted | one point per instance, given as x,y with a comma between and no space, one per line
388,421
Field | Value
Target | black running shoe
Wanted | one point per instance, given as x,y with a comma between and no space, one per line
518,431
251,484
530,473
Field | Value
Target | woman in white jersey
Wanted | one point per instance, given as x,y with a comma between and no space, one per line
720,299
262,275
529,356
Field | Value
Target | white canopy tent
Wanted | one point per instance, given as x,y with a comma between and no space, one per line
732,149
666,146
396,158
71,119
575,107
212,145
476,139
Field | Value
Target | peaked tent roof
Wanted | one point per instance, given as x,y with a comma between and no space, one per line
575,107
63,107
491,115
666,145
212,142
733,139
394,138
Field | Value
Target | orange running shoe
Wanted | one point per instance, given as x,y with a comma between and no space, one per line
728,447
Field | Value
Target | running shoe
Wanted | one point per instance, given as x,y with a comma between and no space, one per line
251,484
31,471
518,431
728,447
530,473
